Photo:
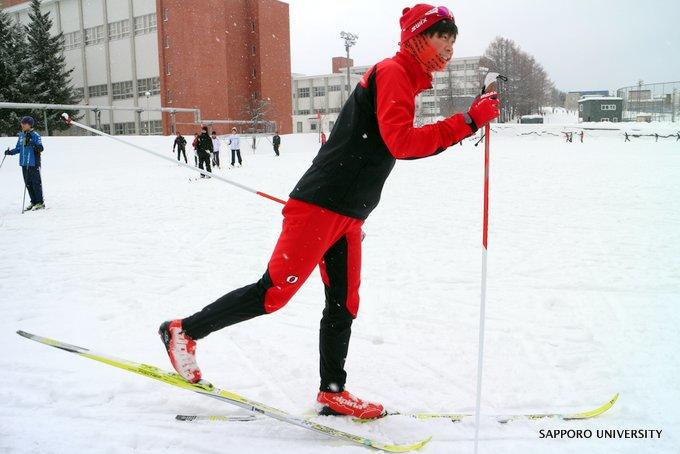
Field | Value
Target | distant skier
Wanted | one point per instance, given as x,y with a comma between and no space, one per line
235,146
276,142
627,137
180,143
203,149
323,138
216,149
582,134
322,219
29,147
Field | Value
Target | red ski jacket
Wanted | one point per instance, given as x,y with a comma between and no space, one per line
373,129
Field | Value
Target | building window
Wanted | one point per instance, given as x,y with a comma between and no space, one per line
145,24
94,35
334,88
127,128
168,96
608,107
313,126
72,40
253,72
168,69
252,25
119,29
580,107
166,42
80,93
152,85
252,50
470,66
299,126
166,14
319,91
303,112
151,127
106,128
122,90
605,120
303,92
98,90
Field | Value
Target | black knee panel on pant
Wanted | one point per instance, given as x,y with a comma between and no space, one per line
234,307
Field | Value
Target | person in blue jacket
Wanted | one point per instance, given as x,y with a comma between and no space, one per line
29,146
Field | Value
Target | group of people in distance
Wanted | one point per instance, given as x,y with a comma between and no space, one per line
207,148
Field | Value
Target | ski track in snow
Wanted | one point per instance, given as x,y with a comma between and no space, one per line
583,297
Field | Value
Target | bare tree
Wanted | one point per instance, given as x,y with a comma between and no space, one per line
256,110
528,87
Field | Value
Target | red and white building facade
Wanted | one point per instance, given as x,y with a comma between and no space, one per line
213,55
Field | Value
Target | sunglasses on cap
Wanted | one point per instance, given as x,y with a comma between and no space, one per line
441,11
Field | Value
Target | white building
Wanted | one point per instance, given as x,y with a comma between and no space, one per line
461,80
323,94
113,47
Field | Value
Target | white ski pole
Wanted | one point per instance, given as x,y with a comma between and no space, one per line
23,201
489,85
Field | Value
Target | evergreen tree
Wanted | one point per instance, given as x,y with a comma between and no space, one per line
48,77
13,66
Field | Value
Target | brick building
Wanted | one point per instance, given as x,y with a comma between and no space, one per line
214,55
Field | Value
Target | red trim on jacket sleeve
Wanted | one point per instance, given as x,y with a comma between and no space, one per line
395,111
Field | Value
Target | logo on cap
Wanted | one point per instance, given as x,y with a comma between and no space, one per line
418,24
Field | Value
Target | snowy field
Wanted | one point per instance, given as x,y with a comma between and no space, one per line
583,298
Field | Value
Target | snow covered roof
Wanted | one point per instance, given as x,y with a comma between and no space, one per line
601,98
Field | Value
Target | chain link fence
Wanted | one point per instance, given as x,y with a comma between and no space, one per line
651,102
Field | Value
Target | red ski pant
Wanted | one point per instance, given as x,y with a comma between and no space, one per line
312,236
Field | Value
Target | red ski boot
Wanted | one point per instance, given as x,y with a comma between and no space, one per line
181,349
343,403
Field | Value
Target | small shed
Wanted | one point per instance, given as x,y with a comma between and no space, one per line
531,119
600,108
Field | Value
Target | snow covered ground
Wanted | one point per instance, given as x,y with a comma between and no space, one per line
583,297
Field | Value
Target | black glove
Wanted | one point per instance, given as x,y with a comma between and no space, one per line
7,153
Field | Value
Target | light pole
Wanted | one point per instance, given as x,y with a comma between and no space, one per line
148,123
350,40
639,103
674,101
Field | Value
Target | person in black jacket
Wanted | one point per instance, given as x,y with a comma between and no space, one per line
276,141
204,148
180,143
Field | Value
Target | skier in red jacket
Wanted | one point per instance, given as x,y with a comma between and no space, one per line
322,219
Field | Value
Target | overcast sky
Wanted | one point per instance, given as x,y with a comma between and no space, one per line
582,44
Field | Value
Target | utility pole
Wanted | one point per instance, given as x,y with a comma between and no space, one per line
350,40
148,122
639,103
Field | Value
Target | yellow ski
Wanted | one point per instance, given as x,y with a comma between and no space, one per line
209,390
